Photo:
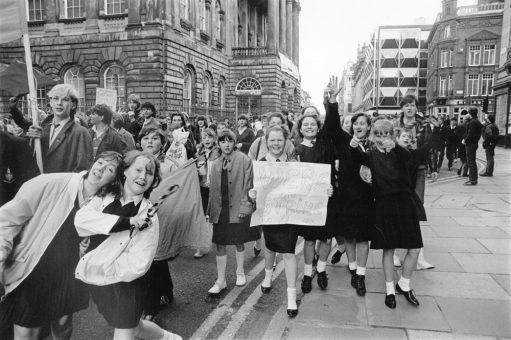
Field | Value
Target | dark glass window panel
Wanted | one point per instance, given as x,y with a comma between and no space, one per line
409,82
389,43
388,101
423,82
389,63
424,63
410,43
409,62
388,82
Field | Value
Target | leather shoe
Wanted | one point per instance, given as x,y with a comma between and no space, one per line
485,175
217,288
353,278
265,290
390,301
322,280
292,313
409,295
336,257
361,285
256,252
470,183
306,284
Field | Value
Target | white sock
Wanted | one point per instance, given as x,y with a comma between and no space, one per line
221,264
352,265
291,298
240,261
307,270
267,277
404,284
170,336
390,288
321,266
361,271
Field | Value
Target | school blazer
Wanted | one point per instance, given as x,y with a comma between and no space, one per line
241,177
119,258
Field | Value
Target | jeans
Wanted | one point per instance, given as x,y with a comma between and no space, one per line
471,149
490,162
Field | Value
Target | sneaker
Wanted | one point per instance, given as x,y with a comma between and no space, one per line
322,280
306,284
361,285
241,280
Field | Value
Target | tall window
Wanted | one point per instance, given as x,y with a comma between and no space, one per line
450,84
489,54
447,32
115,7
443,87
444,58
474,56
450,58
218,28
75,9
473,84
487,86
221,95
185,9
206,91
42,100
114,79
74,77
187,91
35,10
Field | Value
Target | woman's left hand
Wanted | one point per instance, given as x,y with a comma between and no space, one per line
330,191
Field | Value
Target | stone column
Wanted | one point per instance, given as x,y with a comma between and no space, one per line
243,39
282,26
260,32
271,40
253,26
289,28
296,30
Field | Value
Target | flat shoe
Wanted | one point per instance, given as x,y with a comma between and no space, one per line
390,301
336,257
217,288
470,183
240,280
409,295
265,290
292,312
198,255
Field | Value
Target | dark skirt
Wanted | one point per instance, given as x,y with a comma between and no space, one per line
159,283
122,303
225,233
396,223
204,193
356,219
280,238
329,230
50,291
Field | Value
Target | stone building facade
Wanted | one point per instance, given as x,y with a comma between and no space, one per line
464,47
218,57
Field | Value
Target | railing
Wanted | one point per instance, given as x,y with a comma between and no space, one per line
479,9
247,52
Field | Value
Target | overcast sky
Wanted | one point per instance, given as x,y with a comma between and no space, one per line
331,30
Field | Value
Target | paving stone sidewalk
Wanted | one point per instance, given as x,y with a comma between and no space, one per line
466,296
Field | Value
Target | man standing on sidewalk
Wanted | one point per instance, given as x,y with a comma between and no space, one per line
474,130
490,136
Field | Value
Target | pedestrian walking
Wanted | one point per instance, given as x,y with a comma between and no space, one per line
471,141
229,207
396,219
39,248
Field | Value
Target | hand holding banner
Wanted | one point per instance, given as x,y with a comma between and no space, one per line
290,193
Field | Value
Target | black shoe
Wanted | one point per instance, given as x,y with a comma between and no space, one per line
256,252
336,257
464,175
409,295
485,175
265,290
322,280
354,278
470,183
306,284
390,301
292,313
458,172
315,260
361,285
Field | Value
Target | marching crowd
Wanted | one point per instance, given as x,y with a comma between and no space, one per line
86,227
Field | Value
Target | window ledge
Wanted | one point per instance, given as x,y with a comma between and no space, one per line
187,25
204,36
113,16
72,20
220,44
36,22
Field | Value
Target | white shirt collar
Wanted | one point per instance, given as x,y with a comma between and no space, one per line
270,158
309,143
136,200
61,123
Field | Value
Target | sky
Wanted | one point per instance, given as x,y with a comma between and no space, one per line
331,30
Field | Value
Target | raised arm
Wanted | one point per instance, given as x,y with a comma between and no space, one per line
332,119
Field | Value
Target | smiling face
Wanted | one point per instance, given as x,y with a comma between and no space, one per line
360,127
309,128
102,172
227,146
61,104
151,143
275,143
139,176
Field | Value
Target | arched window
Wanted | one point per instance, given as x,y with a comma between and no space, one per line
74,76
248,85
114,79
248,97
188,89
221,95
206,91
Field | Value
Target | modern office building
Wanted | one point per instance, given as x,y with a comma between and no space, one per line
464,47
393,65
220,57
